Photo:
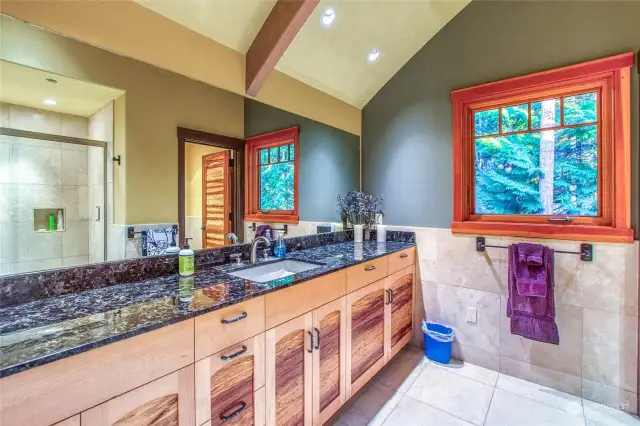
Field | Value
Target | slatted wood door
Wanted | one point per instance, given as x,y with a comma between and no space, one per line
398,311
217,180
167,401
288,389
329,359
229,385
365,335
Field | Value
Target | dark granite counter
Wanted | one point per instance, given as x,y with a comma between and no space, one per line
43,331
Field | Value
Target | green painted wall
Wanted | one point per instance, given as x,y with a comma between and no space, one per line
329,158
407,126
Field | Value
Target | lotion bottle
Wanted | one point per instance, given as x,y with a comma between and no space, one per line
186,259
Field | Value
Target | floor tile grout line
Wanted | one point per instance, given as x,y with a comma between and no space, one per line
441,410
442,367
544,403
486,415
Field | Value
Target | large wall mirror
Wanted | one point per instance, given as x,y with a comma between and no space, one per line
104,158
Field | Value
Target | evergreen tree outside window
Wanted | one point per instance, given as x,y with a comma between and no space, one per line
546,155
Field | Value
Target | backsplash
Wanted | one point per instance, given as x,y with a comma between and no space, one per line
23,288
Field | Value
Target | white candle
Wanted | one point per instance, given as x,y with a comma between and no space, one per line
381,232
357,233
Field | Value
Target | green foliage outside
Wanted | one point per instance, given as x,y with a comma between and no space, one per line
508,168
277,178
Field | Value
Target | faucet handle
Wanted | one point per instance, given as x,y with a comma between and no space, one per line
237,257
265,253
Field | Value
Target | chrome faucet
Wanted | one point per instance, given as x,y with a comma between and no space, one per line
233,238
253,258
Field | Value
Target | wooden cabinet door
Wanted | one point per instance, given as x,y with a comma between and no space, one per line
329,363
398,311
226,385
365,335
167,401
288,358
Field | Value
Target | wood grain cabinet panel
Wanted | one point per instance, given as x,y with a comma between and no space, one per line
225,327
399,310
401,260
365,335
226,384
366,273
71,421
329,363
167,401
288,373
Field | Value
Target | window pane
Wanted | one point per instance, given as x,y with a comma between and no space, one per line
580,109
486,122
273,155
511,173
291,152
507,174
284,153
276,186
545,114
515,118
575,189
264,156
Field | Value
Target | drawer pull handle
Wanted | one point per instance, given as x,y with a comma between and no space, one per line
234,355
234,319
311,337
391,294
240,409
388,297
404,256
318,336
370,268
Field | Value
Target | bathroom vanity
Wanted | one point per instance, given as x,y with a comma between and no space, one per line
233,351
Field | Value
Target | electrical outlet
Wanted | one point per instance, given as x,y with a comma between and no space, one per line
472,315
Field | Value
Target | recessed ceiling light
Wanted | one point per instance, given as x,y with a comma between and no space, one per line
50,102
373,55
328,16
52,80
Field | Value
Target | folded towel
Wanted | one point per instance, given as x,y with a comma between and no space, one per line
532,317
531,277
261,231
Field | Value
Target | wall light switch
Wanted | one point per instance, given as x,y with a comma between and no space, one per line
472,315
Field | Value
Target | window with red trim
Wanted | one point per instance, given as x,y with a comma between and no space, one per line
547,154
272,177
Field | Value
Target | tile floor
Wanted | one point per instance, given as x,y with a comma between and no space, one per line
412,391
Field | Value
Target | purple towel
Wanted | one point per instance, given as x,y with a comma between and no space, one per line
532,317
261,230
530,269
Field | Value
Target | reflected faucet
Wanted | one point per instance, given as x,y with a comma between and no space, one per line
232,237
253,258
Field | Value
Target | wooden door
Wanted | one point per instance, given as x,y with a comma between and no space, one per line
398,311
167,401
288,373
365,335
217,180
329,359
227,385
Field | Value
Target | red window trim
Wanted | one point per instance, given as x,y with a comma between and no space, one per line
253,145
610,76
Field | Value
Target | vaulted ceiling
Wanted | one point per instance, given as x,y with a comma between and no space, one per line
331,59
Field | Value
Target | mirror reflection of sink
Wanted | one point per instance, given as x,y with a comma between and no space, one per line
274,271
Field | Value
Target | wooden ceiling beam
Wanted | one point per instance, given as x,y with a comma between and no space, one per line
277,33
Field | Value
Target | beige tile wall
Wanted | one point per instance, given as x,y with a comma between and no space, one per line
596,313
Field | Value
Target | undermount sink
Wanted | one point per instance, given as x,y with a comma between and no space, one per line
274,271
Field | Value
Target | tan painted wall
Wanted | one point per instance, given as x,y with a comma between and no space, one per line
193,154
113,25
156,102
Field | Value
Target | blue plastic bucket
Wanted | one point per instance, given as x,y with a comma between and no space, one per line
437,342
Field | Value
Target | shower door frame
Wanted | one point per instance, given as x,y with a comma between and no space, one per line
7,131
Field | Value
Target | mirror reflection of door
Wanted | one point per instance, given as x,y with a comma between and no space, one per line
217,178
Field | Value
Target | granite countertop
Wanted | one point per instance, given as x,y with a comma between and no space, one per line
43,331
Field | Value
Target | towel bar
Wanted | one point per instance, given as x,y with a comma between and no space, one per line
586,250
284,228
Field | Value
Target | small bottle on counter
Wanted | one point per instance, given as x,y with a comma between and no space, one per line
187,260
280,248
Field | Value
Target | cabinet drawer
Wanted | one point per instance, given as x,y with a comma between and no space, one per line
228,326
401,260
288,303
366,273
226,383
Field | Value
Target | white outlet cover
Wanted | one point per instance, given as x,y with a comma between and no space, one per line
472,315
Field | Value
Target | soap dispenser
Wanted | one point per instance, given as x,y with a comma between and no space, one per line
186,259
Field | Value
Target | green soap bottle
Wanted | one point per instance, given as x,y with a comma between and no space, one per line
52,222
186,259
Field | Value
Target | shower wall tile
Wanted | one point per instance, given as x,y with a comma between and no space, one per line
543,376
75,261
4,114
5,203
6,241
74,167
28,245
75,239
609,395
25,198
35,265
5,173
34,120
75,126
96,241
75,201
95,163
35,142
35,165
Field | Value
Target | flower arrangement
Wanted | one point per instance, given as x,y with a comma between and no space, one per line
358,208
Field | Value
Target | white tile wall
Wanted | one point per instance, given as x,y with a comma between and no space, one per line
596,313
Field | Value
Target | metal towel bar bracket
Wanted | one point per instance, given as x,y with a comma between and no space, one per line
284,228
586,250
